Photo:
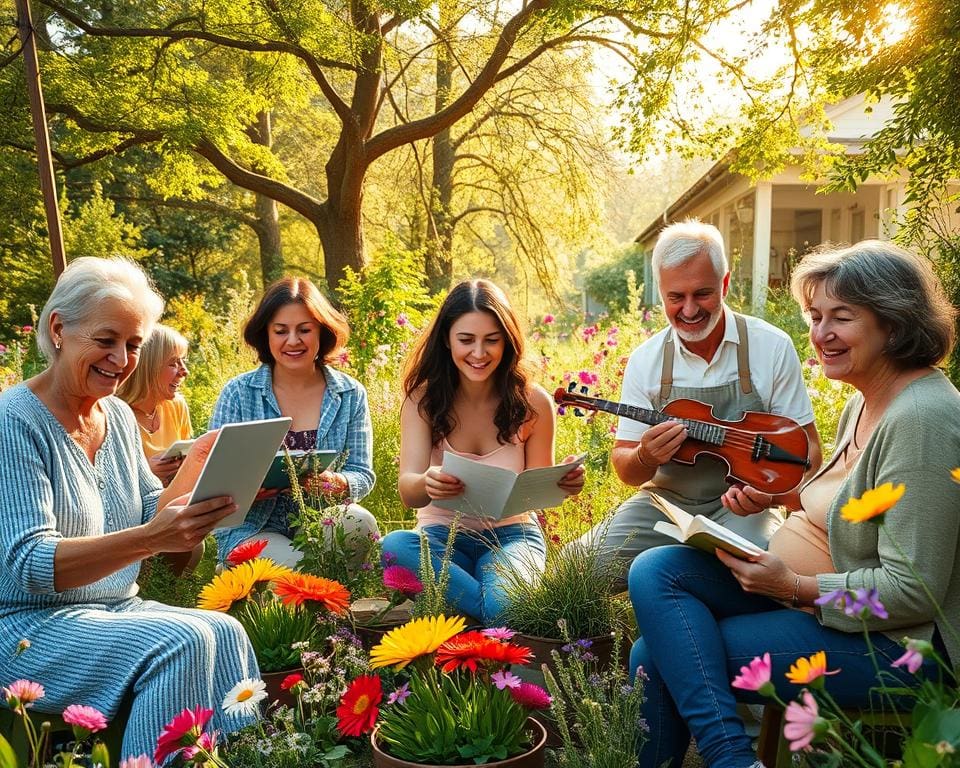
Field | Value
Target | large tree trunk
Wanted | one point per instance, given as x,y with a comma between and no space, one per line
267,213
341,237
439,240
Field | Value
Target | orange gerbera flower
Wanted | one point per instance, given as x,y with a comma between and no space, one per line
874,502
358,709
237,583
807,671
469,650
299,588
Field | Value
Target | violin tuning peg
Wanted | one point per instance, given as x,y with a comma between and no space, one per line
584,389
572,386
578,412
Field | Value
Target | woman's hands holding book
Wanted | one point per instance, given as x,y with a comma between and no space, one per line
764,574
572,482
439,485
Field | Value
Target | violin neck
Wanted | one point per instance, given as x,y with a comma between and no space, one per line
698,430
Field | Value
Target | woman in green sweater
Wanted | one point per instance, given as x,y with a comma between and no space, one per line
879,321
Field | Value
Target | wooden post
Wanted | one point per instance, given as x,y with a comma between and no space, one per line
38,114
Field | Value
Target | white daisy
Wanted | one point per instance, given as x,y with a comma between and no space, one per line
245,697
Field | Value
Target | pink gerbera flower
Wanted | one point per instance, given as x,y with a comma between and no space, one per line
803,722
85,720
24,691
206,743
756,676
403,580
183,731
140,761
531,696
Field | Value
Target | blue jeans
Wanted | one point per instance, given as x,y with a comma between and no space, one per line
698,627
474,588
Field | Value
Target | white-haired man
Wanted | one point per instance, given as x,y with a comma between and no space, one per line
708,353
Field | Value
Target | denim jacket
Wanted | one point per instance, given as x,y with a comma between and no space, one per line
344,426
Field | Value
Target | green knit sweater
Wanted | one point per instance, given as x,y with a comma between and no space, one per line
917,549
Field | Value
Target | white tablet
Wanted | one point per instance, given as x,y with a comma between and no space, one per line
238,462
177,450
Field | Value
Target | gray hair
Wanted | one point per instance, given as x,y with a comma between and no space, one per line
899,287
680,242
89,281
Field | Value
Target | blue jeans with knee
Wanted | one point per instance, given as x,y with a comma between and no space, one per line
475,587
698,628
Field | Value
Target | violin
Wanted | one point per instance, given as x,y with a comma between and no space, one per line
763,450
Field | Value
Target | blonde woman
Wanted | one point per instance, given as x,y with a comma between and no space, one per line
153,392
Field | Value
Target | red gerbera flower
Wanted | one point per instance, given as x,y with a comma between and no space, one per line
248,550
469,650
531,696
291,680
183,731
299,588
402,580
358,708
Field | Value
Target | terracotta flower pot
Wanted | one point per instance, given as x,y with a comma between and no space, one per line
532,758
274,692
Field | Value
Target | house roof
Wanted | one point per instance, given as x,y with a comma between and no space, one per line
853,120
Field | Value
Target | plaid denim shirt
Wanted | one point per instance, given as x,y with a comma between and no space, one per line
344,426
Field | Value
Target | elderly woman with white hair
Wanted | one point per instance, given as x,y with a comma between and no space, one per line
80,509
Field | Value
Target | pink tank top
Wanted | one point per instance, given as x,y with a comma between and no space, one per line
510,456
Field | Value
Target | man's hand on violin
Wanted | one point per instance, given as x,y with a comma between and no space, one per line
660,442
746,500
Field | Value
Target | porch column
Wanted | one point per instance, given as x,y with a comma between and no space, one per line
762,215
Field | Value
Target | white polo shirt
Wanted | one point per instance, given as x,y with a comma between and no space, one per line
774,371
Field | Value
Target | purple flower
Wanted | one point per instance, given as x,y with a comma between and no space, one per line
328,521
402,319
867,603
399,695
389,558
366,566
839,597
499,633
505,679
548,318
913,658
584,643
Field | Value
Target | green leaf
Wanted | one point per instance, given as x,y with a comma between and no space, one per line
7,758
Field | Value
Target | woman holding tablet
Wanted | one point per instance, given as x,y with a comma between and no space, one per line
296,334
153,392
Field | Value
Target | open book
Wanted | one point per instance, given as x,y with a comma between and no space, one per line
494,493
305,462
701,531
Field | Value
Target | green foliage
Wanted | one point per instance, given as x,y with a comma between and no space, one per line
158,581
598,711
96,229
453,719
274,629
432,601
384,303
607,283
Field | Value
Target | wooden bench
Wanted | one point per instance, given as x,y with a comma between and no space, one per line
773,749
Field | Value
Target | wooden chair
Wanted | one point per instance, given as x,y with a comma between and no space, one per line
773,750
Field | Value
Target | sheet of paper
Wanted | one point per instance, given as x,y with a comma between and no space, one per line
495,493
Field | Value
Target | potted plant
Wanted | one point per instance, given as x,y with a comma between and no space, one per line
277,606
574,598
454,699
372,617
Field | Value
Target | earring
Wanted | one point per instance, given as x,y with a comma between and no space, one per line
57,344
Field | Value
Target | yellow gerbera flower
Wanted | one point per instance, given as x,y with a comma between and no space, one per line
237,583
225,589
805,671
874,502
416,638
955,474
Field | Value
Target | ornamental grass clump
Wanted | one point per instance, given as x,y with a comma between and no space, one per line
451,699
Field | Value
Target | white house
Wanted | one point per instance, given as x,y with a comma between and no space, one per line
780,218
